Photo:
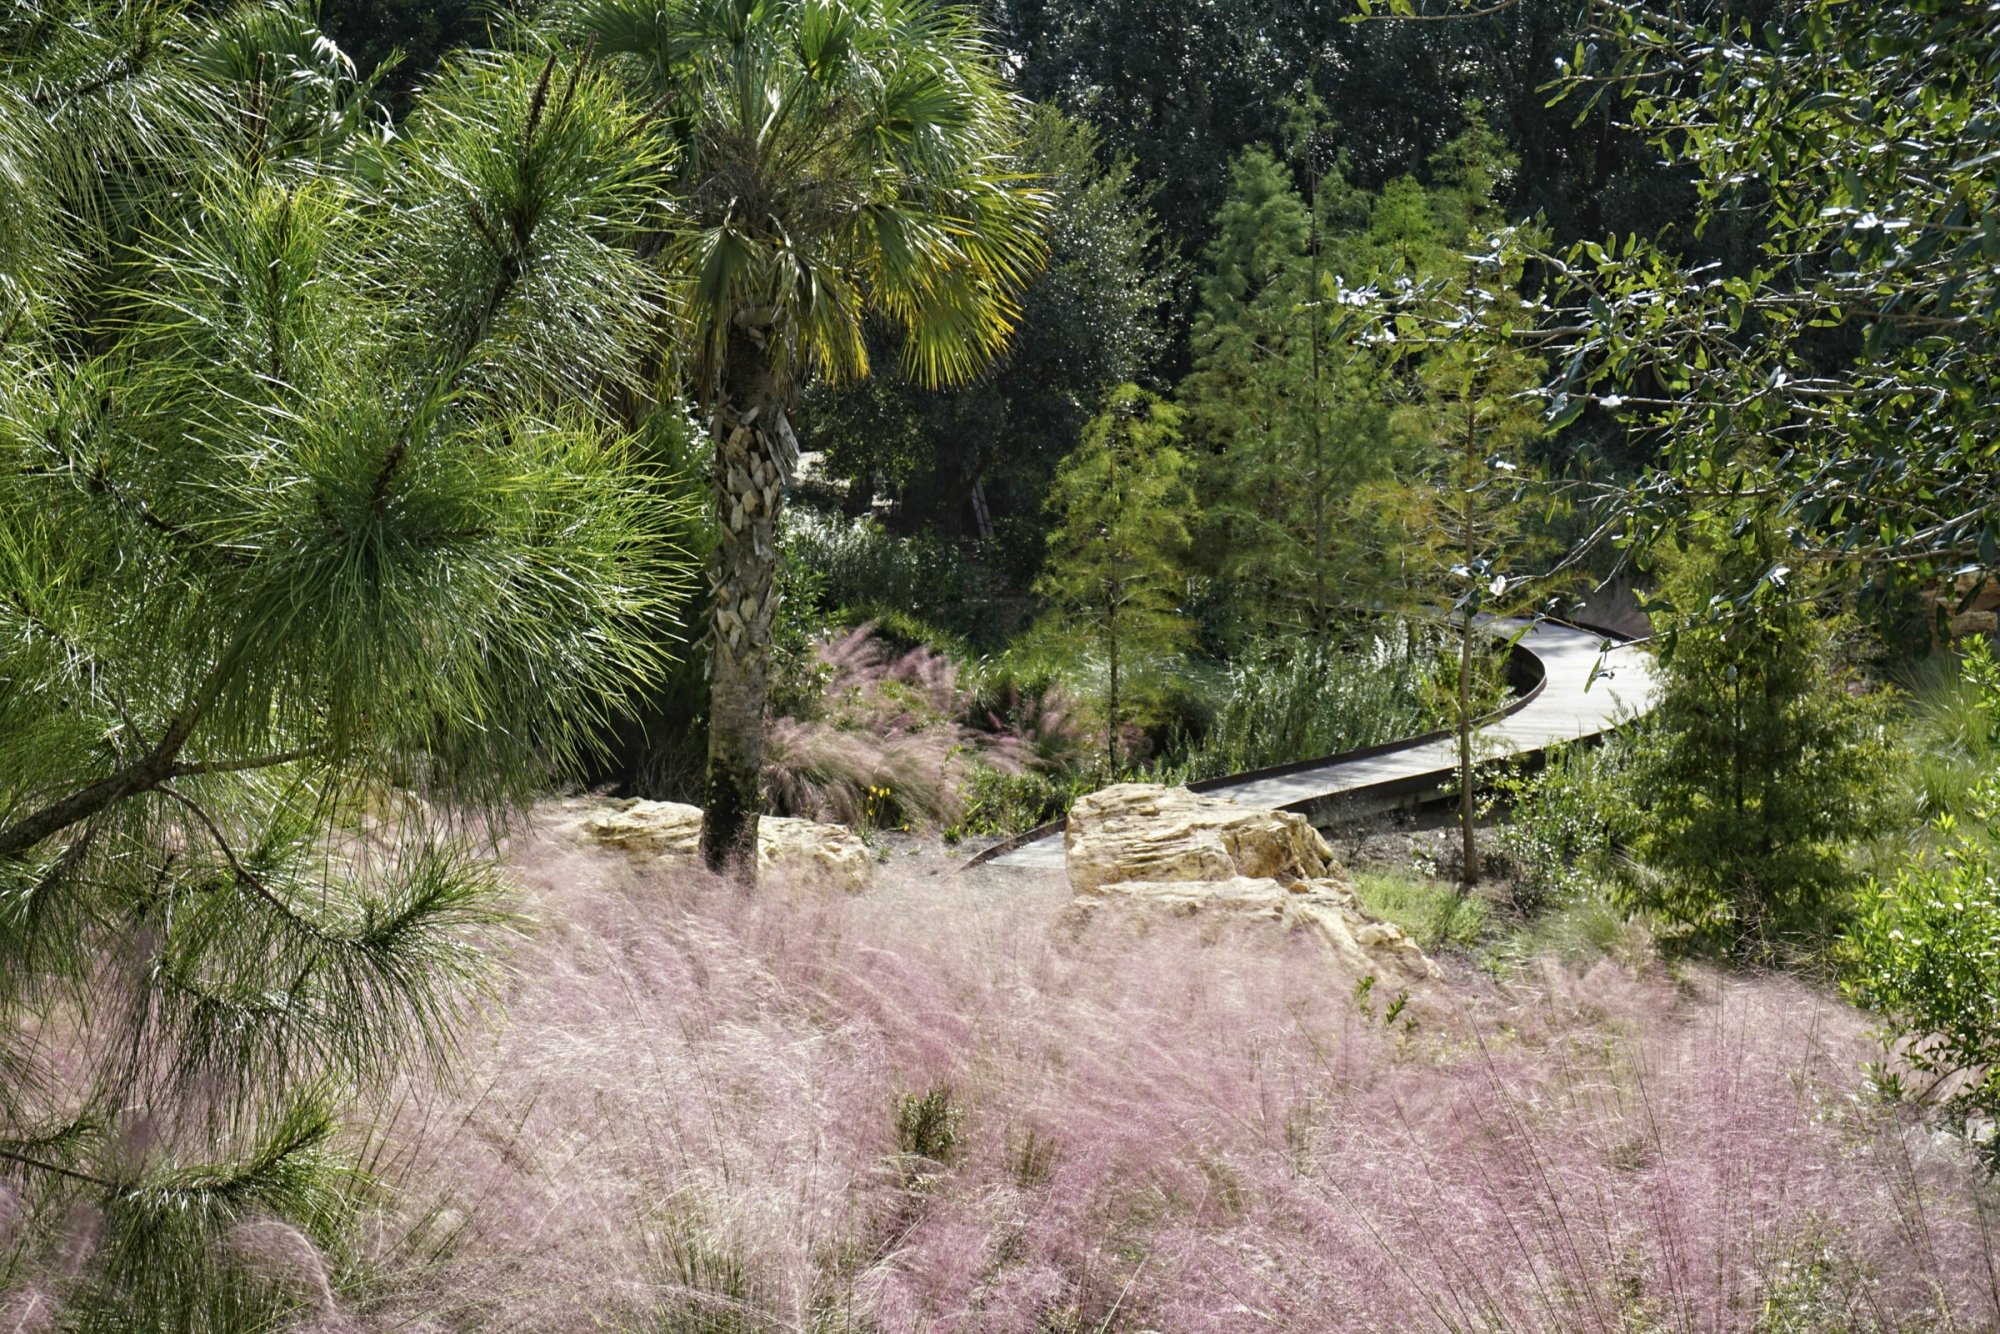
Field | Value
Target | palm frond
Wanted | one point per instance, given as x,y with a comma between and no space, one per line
834,160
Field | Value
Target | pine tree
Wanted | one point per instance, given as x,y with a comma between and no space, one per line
1761,763
1117,564
316,555
1289,405
1248,340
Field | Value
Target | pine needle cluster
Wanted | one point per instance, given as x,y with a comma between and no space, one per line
319,551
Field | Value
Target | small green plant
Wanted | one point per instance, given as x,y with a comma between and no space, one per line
927,1124
1431,912
1557,839
707,1286
1364,1001
1031,1156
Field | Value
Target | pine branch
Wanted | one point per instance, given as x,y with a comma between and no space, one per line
143,776
77,653
242,873
245,764
127,65
67,1173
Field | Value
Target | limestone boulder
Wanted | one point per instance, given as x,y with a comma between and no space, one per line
1168,849
798,849
1326,910
1142,831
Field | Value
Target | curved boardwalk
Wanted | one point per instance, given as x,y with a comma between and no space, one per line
1568,706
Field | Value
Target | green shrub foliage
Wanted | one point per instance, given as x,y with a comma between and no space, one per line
1926,947
1761,764
1556,843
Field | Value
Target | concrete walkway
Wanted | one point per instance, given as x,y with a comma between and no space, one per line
1590,685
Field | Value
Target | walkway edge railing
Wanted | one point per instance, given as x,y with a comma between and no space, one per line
1518,653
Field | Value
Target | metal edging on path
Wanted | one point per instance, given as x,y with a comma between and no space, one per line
1334,771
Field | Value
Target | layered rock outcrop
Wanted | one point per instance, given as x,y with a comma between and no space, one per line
1172,849
801,849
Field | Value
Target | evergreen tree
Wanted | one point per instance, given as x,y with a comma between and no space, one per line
1760,764
314,550
1117,565
1291,395
1260,397
1245,323
1473,549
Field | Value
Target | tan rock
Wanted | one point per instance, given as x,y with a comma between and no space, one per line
1142,831
1360,945
829,853
802,849
1172,849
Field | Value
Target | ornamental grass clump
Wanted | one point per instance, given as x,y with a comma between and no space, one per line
884,745
961,1104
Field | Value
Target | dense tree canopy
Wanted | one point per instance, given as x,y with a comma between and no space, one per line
1841,375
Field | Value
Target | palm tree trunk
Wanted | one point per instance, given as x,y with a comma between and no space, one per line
748,480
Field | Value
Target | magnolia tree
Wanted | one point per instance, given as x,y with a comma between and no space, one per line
316,553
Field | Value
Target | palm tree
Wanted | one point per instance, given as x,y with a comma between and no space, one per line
834,160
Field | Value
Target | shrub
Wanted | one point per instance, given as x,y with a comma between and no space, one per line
1954,734
1556,841
861,570
1002,803
1926,946
1761,764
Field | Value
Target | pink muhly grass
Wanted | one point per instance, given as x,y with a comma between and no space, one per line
887,746
688,1118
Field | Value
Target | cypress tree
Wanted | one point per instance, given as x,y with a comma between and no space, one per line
1117,563
1761,764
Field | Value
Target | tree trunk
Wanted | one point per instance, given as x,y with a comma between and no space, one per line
1470,847
1469,540
751,450
1111,712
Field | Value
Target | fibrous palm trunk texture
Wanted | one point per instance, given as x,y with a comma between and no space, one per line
753,455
